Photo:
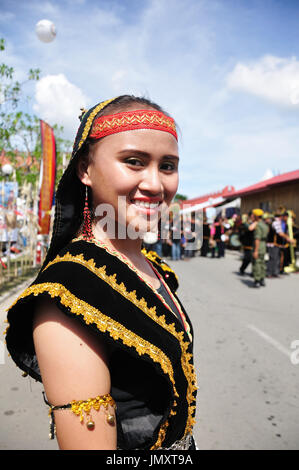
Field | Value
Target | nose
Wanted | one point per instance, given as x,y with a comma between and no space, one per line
151,180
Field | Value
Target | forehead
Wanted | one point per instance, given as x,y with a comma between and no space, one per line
147,140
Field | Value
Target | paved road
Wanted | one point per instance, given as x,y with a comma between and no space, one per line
249,388
24,422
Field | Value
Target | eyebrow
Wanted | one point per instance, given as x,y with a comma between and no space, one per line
140,153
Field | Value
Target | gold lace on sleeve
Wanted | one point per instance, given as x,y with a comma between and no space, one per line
81,407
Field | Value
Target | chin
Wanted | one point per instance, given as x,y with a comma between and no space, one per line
138,227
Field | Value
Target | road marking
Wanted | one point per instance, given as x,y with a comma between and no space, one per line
270,340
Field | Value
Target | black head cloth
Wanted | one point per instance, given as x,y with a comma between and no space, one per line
70,194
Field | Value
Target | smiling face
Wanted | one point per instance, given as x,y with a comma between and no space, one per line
138,166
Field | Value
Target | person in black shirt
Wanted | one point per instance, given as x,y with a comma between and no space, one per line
272,249
206,233
246,238
218,232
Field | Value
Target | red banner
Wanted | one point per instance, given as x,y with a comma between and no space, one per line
47,177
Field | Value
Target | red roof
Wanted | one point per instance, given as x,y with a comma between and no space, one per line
226,192
20,160
229,191
268,183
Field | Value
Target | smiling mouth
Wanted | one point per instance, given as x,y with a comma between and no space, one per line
146,206
151,205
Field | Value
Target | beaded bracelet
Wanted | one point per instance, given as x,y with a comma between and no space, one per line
80,407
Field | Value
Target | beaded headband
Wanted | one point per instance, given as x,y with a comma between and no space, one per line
131,120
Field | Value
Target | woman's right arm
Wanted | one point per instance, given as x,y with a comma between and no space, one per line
73,366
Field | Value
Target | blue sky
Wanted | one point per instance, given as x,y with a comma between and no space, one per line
226,70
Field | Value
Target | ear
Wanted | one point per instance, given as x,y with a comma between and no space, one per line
82,172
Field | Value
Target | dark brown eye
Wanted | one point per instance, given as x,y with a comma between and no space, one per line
134,161
168,166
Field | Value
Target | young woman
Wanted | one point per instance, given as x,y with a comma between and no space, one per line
101,326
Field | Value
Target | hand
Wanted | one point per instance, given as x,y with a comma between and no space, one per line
253,225
255,254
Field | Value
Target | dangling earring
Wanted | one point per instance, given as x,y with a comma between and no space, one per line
87,227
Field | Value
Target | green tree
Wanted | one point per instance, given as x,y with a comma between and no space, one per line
11,95
28,134
63,151
20,131
180,197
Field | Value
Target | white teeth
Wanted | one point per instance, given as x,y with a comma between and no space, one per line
149,205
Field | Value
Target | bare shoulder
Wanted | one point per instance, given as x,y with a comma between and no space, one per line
48,316
67,349
74,366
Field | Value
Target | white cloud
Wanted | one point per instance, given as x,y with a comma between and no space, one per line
273,78
58,101
268,174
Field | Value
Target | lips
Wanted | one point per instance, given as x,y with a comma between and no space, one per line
147,205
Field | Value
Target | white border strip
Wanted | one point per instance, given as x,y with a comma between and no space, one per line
270,340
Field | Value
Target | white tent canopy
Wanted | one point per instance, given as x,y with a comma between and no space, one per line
203,205
235,203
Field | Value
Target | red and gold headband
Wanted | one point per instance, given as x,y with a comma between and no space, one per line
131,120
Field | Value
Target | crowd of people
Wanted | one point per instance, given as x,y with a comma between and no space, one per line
185,238
15,231
266,242
262,237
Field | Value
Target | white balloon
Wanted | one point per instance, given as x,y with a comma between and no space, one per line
45,30
7,169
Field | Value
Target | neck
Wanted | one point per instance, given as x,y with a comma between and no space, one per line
126,246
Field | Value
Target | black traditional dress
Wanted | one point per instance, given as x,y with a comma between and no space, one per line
147,333
148,338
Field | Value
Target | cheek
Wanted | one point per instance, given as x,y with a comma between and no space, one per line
110,181
170,187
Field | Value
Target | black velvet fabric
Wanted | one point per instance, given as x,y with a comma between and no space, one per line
141,396
143,391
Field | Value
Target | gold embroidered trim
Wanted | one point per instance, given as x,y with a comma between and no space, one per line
6,330
104,323
183,317
152,256
189,370
120,288
80,407
90,118
110,123
83,406
163,430
122,258
127,262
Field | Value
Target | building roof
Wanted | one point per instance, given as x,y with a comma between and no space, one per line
267,184
224,193
229,193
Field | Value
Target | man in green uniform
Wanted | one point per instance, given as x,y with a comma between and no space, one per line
260,249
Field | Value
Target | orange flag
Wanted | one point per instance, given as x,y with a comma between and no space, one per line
47,177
